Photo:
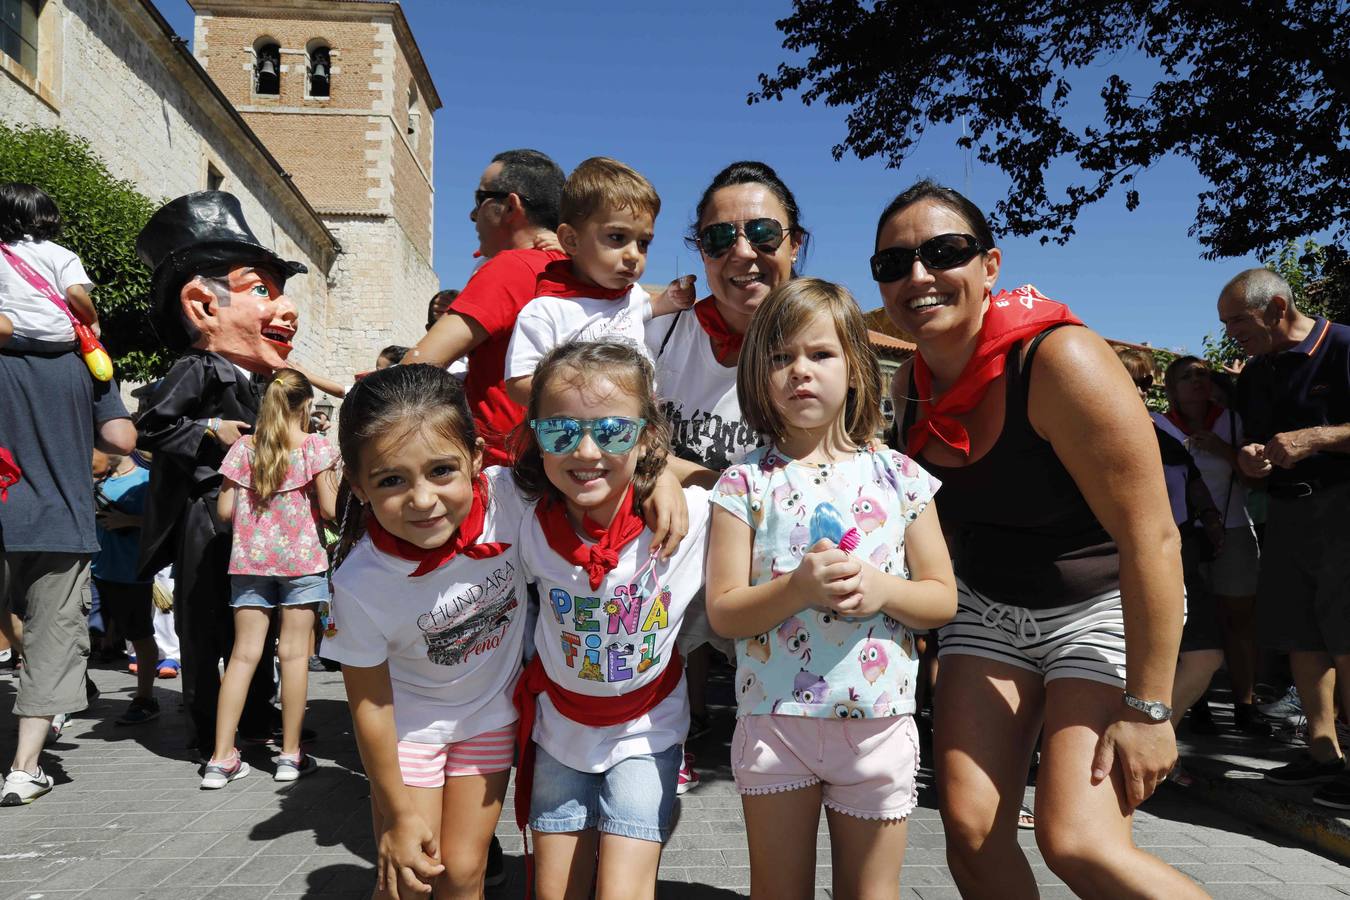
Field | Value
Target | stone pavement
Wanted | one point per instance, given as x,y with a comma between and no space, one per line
127,820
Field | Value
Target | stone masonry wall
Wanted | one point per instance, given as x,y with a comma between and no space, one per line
153,128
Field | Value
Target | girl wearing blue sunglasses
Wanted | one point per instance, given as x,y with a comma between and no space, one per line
601,749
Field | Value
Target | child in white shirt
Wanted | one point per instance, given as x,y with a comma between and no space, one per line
607,214
29,221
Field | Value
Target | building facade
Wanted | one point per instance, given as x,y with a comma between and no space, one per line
336,182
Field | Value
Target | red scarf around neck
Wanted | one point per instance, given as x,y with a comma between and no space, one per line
465,540
1012,316
559,279
597,559
1212,415
726,344
10,473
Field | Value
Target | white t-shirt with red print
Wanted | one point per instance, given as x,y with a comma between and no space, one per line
613,639
453,637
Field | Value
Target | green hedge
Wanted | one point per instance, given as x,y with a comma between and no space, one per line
101,216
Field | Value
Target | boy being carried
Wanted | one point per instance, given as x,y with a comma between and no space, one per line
608,215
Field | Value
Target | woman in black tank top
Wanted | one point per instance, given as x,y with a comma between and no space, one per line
1071,600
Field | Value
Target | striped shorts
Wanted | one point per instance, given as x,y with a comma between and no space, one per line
428,765
1085,640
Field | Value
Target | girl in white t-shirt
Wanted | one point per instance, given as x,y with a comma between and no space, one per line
29,221
603,700
827,551
428,620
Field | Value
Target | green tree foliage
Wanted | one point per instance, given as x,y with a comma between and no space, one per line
101,216
1256,94
1319,278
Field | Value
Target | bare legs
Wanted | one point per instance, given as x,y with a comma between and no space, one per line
566,865
251,625
866,853
984,752
1315,679
1195,670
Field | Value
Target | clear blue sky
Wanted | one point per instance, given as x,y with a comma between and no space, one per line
661,85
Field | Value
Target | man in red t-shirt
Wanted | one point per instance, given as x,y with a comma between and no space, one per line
515,212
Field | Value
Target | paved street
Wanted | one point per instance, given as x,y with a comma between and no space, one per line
127,820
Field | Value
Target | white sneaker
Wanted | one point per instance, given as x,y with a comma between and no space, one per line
216,775
22,788
294,768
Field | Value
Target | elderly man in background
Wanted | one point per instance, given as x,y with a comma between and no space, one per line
1294,397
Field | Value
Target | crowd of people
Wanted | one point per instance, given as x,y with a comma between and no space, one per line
530,562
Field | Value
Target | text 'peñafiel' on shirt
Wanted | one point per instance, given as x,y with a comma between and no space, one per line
453,637
816,662
614,639
547,322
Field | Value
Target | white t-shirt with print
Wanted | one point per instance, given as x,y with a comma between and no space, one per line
545,322
698,394
34,315
612,640
452,637
816,662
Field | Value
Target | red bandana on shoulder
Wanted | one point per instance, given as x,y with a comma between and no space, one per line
465,540
597,559
10,473
1212,415
1012,316
559,279
726,344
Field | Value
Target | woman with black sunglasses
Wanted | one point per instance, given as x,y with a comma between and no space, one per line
748,231
1070,594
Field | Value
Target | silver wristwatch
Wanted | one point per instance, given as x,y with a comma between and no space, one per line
1154,709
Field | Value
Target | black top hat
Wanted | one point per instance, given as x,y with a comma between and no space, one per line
195,234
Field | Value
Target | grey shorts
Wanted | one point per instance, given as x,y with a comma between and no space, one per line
1303,594
1086,640
49,592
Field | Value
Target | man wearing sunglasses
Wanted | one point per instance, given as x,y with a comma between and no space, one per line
515,212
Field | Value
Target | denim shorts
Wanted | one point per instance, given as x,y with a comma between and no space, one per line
271,591
634,798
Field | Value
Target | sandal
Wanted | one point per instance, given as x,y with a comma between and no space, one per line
1026,819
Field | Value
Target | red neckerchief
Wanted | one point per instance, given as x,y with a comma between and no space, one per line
10,473
585,709
1212,415
597,559
465,540
1012,316
726,344
559,279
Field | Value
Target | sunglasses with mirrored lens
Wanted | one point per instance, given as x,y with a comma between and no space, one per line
765,235
946,251
612,434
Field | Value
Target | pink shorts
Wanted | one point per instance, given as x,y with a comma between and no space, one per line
868,767
428,765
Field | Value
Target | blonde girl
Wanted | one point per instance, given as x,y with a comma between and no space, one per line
428,622
277,485
826,552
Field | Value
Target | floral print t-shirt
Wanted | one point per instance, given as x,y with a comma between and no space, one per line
281,537
818,663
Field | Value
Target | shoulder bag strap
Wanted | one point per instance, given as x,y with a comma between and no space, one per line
40,284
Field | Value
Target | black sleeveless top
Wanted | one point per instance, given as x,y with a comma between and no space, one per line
1020,530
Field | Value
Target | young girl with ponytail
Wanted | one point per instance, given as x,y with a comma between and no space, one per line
428,621
277,485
